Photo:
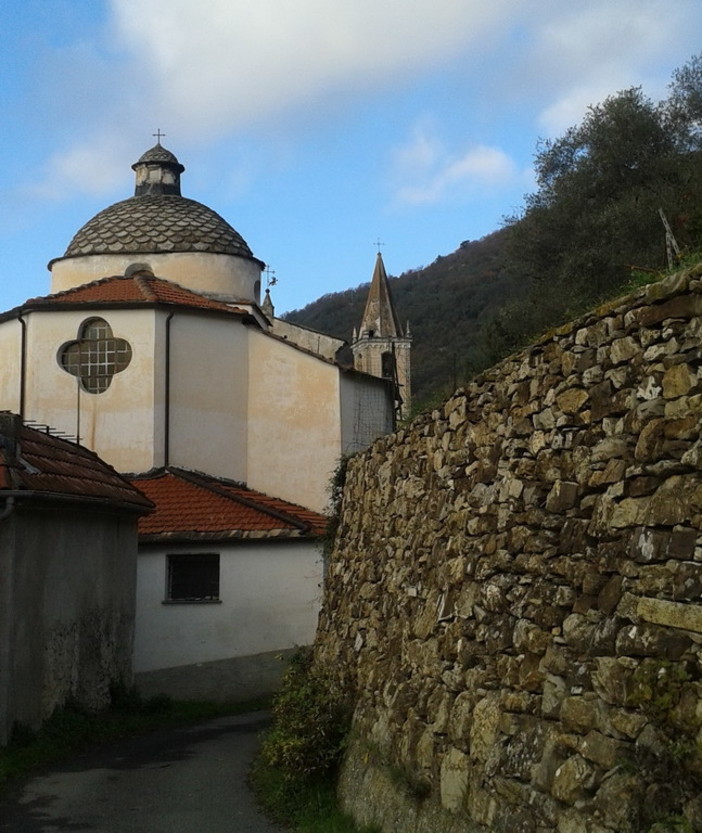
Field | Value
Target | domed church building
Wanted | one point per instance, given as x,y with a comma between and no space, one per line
155,350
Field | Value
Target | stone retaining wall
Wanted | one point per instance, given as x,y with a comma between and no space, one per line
515,589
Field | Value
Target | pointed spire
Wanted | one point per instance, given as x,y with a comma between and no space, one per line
267,306
379,319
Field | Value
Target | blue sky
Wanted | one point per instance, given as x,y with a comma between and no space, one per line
315,127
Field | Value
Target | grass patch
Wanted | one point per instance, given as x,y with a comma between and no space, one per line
74,730
304,805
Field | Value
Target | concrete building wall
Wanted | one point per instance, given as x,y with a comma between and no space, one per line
67,598
226,276
268,603
119,423
319,343
209,393
294,430
10,366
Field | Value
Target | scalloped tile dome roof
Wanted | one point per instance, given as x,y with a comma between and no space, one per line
157,223
158,153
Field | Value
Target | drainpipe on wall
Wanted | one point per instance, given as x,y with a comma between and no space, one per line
167,404
23,364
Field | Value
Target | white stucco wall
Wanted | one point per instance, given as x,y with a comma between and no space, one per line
294,424
10,351
270,594
228,276
319,343
122,423
209,394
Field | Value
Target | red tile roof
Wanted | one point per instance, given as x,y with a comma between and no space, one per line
40,463
191,505
138,289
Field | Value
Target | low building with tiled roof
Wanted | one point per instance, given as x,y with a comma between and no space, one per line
195,506
229,580
154,349
68,549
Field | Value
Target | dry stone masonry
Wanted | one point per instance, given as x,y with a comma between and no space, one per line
515,590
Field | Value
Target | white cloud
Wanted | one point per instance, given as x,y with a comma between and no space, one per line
91,167
587,51
226,63
210,69
426,172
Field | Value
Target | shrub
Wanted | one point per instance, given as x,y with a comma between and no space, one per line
311,718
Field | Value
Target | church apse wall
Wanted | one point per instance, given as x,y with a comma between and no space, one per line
115,417
294,397
514,593
209,376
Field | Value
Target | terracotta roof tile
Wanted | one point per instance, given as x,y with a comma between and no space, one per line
138,289
194,505
42,463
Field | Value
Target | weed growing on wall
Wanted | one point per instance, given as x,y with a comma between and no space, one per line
671,759
336,495
295,773
311,718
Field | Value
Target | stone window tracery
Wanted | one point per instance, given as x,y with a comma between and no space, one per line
95,356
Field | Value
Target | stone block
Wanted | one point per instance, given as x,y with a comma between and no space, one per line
573,779
623,350
563,496
604,751
455,773
572,400
678,381
485,728
671,614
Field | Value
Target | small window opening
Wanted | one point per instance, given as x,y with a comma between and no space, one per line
387,366
193,578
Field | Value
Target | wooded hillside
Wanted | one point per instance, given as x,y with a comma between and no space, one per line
596,221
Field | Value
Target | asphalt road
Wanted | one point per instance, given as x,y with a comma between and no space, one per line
189,780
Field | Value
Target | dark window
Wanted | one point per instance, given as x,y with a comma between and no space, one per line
193,578
387,365
95,356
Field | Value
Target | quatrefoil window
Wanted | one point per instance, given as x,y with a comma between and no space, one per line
95,356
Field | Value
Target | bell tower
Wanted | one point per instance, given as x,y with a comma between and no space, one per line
380,347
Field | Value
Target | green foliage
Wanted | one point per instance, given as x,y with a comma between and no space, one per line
336,494
590,232
311,719
672,824
295,772
304,806
667,694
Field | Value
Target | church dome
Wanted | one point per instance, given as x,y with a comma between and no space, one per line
158,229
157,223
